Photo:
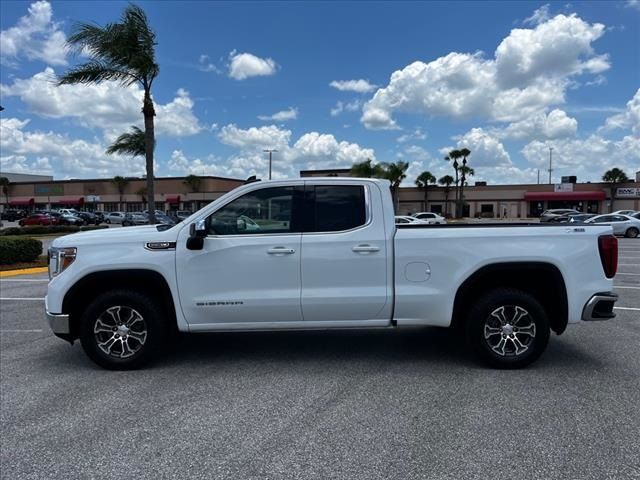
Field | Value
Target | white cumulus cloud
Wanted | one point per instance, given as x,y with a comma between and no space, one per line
629,119
358,86
35,37
530,71
245,65
282,116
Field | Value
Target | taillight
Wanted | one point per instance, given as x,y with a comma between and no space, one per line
608,247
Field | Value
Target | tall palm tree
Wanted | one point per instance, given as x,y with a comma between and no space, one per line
130,143
423,181
464,153
454,156
124,52
395,173
367,169
446,182
614,176
193,181
5,184
121,184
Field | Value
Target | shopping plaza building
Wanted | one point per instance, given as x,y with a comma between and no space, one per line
29,192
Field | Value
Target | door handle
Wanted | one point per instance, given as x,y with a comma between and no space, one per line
280,251
365,248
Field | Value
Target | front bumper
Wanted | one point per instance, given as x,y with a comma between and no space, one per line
59,323
600,307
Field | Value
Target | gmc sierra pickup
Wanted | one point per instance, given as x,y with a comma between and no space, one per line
326,253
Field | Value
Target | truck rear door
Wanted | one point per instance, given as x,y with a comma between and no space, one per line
345,270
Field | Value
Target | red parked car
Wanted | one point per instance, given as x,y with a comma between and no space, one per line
36,219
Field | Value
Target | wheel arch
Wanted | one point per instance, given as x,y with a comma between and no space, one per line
91,285
541,279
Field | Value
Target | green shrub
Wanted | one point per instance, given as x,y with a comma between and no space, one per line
47,229
19,249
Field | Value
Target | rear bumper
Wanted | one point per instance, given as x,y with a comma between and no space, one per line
59,323
600,307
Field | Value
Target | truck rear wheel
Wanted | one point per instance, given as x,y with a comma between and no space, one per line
507,328
122,330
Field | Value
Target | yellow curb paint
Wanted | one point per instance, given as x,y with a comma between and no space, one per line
23,271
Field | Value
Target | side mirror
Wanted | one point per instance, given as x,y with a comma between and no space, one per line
241,225
197,234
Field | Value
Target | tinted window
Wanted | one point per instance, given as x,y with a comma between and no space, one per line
339,207
619,218
606,218
426,215
268,210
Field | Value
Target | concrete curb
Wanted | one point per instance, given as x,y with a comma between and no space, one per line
23,271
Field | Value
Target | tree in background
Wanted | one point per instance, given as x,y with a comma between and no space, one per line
130,143
453,157
5,184
446,182
124,52
464,170
395,173
194,182
615,176
121,184
422,182
367,169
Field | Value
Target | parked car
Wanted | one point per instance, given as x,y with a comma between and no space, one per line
182,214
636,215
621,224
11,215
36,219
549,215
403,219
430,217
89,218
135,218
99,217
114,217
335,262
163,219
625,212
67,219
582,217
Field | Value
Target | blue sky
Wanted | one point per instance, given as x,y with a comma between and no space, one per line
332,83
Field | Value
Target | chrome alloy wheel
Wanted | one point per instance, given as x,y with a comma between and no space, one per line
120,331
509,330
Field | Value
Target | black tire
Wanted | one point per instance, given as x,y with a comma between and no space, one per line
497,342
97,324
631,232
107,221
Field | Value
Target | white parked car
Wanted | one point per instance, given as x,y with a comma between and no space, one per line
327,255
114,217
404,219
621,224
430,217
625,212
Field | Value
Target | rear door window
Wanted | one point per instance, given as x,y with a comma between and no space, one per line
337,208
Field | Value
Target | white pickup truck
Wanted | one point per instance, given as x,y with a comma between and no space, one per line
325,253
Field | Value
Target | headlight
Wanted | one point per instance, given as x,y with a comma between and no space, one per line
60,259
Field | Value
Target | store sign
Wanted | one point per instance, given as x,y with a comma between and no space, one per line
628,192
49,189
563,187
92,198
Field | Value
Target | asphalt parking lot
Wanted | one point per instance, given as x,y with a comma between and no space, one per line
319,405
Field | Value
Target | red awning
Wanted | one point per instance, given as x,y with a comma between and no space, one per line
587,195
19,203
172,199
70,201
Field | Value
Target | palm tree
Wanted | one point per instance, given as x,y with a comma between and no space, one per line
367,169
130,143
121,184
423,181
464,153
453,156
5,184
446,182
124,52
194,182
614,176
142,191
395,173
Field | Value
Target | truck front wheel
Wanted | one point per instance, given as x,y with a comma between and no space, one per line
507,328
122,330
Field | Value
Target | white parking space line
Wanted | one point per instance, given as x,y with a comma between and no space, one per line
21,299
627,308
630,288
21,331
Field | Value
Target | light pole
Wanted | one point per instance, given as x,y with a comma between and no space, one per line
550,159
270,152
